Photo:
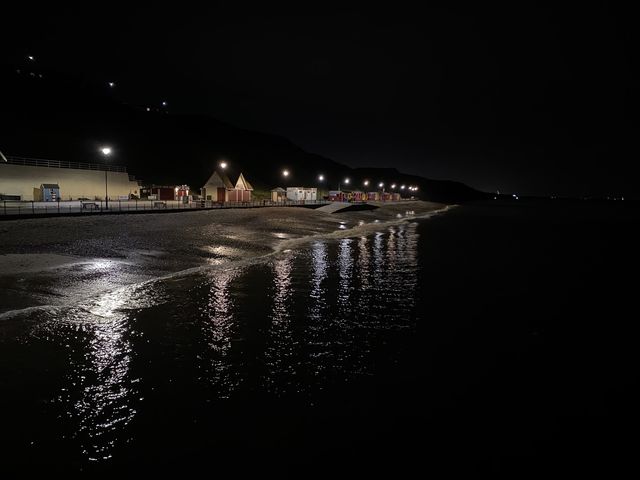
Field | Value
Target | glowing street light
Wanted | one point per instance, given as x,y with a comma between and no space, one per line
31,58
346,180
111,84
106,151
393,185
164,104
285,173
321,178
401,187
381,184
366,183
223,165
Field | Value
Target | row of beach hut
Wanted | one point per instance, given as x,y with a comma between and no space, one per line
359,196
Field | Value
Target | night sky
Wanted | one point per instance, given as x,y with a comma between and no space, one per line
521,98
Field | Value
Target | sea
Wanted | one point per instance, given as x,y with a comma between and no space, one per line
497,337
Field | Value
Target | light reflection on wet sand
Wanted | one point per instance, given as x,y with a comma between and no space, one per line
327,309
101,397
218,327
281,347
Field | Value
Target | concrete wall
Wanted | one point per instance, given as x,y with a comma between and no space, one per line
25,180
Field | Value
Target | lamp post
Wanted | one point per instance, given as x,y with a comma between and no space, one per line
320,181
106,151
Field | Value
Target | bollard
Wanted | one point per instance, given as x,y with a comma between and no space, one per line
32,209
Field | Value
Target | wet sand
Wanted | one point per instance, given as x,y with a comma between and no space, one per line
53,261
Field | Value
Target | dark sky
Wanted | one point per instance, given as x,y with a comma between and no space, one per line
523,98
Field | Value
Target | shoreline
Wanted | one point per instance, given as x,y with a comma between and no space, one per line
57,267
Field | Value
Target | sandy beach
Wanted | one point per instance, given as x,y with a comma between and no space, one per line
59,260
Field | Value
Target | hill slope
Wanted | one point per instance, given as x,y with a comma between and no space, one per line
47,115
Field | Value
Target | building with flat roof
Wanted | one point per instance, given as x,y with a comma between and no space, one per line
23,178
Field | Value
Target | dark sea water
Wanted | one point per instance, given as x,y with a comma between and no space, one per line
494,337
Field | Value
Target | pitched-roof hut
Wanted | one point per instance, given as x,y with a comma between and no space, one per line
278,194
243,190
217,187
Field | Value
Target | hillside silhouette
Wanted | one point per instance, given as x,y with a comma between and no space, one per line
49,115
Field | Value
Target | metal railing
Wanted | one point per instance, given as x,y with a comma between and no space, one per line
33,208
42,162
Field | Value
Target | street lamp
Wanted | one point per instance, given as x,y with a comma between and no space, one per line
223,165
285,173
321,178
366,183
381,184
106,151
393,185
